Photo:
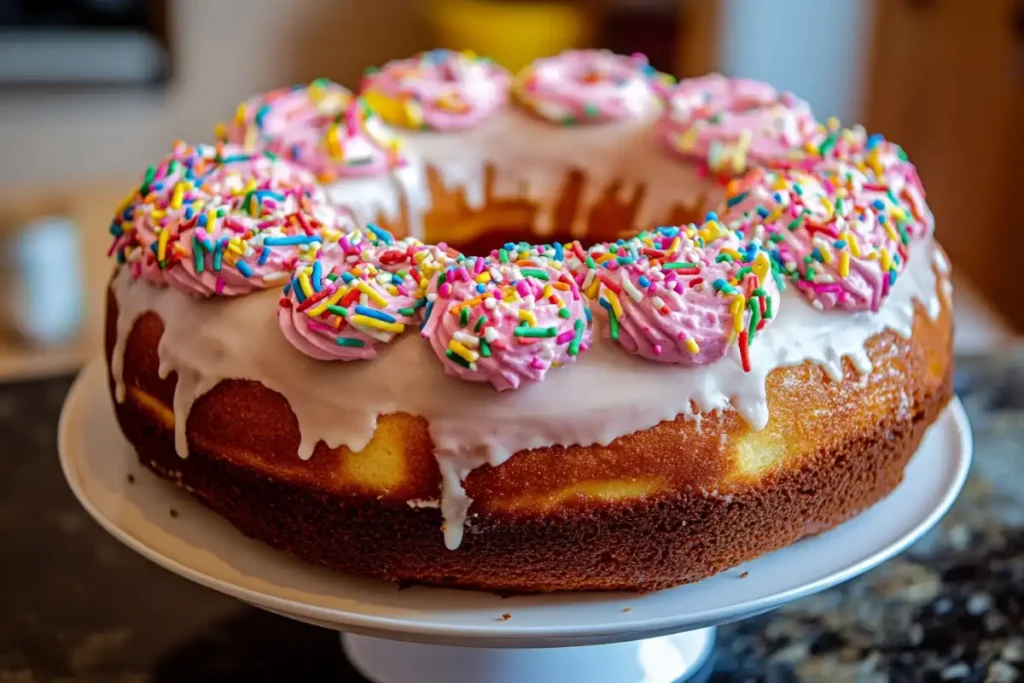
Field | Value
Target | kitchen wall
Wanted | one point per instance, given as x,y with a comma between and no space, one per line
818,49
223,51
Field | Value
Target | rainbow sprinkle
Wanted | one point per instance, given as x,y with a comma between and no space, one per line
655,288
509,317
364,289
215,220
829,232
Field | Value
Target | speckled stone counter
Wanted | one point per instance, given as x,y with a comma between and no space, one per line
78,606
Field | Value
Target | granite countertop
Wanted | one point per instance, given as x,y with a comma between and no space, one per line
78,606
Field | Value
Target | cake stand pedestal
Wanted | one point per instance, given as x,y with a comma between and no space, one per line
684,656
451,636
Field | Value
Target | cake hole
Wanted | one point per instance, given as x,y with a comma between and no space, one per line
498,236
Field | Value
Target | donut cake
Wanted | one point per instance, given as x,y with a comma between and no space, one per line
580,328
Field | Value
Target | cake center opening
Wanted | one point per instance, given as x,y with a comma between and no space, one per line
494,237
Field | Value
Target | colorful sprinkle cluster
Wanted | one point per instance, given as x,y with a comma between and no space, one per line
733,124
219,221
322,127
681,295
507,318
362,290
830,231
831,209
437,90
589,86
888,175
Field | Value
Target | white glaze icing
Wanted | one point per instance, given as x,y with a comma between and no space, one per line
373,197
205,341
532,158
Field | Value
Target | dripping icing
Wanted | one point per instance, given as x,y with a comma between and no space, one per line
206,341
615,155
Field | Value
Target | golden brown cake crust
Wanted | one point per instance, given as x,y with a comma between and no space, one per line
709,495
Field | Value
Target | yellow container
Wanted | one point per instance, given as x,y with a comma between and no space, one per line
511,33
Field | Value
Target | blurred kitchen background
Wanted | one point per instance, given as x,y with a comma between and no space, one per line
91,91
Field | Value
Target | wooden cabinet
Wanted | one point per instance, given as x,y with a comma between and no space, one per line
947,82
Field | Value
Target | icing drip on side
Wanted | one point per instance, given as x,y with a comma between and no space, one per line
622,150
206,341
375,197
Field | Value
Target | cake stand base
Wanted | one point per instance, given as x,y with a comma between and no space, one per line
680,657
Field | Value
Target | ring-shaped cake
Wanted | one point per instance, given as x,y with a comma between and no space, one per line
524,343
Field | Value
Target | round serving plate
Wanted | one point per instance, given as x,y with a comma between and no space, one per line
201,546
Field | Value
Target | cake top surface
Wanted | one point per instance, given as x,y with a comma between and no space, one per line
830,211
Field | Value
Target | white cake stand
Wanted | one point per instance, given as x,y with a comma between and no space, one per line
432,634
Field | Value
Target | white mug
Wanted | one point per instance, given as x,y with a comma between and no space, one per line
42,281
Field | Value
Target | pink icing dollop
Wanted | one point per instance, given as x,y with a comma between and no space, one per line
507,318
322,127
235,222
437,90
359,292
681,295
149,210
589,86
843,246
885,170
733,124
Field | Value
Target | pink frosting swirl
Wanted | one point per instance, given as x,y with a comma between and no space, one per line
681,295
230,222
364,290
843,246
733,124
886,173
151,209
588,86
508,318
438,90
321,127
